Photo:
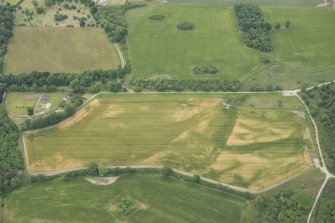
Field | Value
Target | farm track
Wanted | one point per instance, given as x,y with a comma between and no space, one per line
323,168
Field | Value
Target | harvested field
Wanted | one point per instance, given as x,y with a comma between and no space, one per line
59,49
240,145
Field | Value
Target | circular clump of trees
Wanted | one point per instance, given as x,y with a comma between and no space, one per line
157,17
185,26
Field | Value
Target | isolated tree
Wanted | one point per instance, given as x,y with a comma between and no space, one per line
287,24
48,3
103,171
196,178
92,169
277,26
167,171
30,111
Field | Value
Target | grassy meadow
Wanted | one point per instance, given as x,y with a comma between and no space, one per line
159,48
258,2
157,199
59,50
17,102
309,40
303,53
203,134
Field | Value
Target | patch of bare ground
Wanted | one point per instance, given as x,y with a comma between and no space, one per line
113,110
31,96
39,166
102,180
80,115
186,112
300,114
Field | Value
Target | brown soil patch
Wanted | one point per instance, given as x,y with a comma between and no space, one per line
152,160
102,180
300,114
307,134
202,126
182,136
81,114
186,112
32,96
113,110
248,131
247,166
40,166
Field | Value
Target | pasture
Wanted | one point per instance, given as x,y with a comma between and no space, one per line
158,48
201,134
157,199
309,40
57,49
17,102
304,52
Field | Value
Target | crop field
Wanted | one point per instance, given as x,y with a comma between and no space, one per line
57,49
200,134
157,199
158,48
17,102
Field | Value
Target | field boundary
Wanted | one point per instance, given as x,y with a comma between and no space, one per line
183,173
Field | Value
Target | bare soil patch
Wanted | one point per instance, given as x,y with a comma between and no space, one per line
102,180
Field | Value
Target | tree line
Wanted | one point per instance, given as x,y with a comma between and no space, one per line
112,20
255,30
181,85
48,82
11,160
6,27
321,102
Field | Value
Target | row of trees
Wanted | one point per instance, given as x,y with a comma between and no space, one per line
181,85
256,30
11,160
48,82
6,27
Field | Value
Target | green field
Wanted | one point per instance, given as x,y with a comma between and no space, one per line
303,53
200,134
159,48
156,198
17,102
258,2
58,49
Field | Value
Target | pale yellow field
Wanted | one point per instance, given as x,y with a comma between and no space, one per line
248,147
58,49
